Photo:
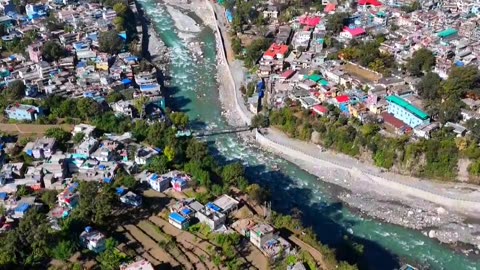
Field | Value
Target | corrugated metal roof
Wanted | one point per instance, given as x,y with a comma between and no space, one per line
177,217
407,106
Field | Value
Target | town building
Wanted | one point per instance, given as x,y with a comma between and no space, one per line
23,112
406,112
138,265
211,215
93,240
158,183
180,220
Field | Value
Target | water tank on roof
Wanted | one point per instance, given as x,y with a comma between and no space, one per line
357,22
88,229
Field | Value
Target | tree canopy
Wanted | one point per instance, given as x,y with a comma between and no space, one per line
421,61
429,86
52,51
110,42
336,22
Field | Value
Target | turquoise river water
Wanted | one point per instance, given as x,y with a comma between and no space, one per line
193,89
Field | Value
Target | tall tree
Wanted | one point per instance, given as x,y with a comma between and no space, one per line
421,61
429,86
52,51
110,42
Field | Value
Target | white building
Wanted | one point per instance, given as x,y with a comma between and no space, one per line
93,240
260,234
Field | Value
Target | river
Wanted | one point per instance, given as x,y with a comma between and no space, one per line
193,89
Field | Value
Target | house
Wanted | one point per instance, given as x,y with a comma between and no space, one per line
374,3
211,215
131,199
41,148
226,203
425,131
320,110
35,52
179,184
394,124
351,33
145,154
458,129
87,130
23,112
69,196
35,11
271,12
21,210
180,220
124,107
276,51
138,265
260,234
86,147
93,240
158,183
406,112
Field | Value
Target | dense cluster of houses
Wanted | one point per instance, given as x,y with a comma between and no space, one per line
83,71
296,65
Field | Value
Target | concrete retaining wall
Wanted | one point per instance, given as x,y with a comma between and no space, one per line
240,107
448,202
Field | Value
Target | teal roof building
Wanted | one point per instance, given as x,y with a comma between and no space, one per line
406,112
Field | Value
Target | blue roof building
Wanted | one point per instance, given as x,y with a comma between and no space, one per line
22,209
179,220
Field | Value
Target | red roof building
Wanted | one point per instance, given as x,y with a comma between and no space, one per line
342,99
330,8
287,74
374,3
352,32
320,110
310,21
276,51
395,124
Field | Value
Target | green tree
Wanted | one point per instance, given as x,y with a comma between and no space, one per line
49,197
58,134
140,104
111,258
169,152
88,108
231,172
255,50
196,150
52,51
179,119
429,86
462,80
110,42
421,61
449,110
121,9
127,181
257,193
336,22
23,190
114,97
78,138
15,91
64,250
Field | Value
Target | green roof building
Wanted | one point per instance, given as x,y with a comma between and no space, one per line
447,33
406,112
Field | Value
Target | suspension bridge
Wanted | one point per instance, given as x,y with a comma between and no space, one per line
213,132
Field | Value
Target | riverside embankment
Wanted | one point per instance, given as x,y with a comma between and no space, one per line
194,88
